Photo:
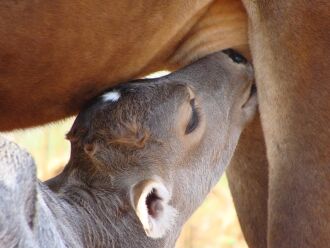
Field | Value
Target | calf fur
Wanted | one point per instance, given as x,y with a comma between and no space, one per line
143,157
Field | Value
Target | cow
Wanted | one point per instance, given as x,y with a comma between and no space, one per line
56,55
280,182
144,155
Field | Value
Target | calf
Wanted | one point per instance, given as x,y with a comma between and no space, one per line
144,156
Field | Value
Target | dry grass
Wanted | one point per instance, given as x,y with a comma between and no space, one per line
214,224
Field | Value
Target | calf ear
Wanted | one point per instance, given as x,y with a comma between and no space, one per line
150,199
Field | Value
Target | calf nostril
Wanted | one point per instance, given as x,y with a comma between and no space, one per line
235,56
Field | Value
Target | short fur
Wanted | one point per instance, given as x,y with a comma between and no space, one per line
289,41
92,203
57,55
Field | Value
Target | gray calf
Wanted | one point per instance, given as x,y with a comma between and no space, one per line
144,156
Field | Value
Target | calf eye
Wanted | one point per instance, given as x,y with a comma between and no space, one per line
194,120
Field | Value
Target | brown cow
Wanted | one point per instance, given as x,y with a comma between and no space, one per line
289,43
286,204
54,55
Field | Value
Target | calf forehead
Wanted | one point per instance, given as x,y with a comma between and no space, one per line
146,98
112,96
147,104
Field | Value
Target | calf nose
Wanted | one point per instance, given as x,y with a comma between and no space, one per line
235,56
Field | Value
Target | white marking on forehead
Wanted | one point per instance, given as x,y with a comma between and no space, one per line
111,96
158,74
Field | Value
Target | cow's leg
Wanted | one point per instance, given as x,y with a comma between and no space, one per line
248,181
290,47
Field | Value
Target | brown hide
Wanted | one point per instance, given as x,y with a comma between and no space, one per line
289,42
55,55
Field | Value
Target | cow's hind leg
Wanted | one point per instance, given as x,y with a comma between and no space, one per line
290,48
248,181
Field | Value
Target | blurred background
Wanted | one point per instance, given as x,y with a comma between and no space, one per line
214,224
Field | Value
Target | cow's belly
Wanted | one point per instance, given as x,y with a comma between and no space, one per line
56,56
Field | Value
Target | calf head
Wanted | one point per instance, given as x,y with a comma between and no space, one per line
163,143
